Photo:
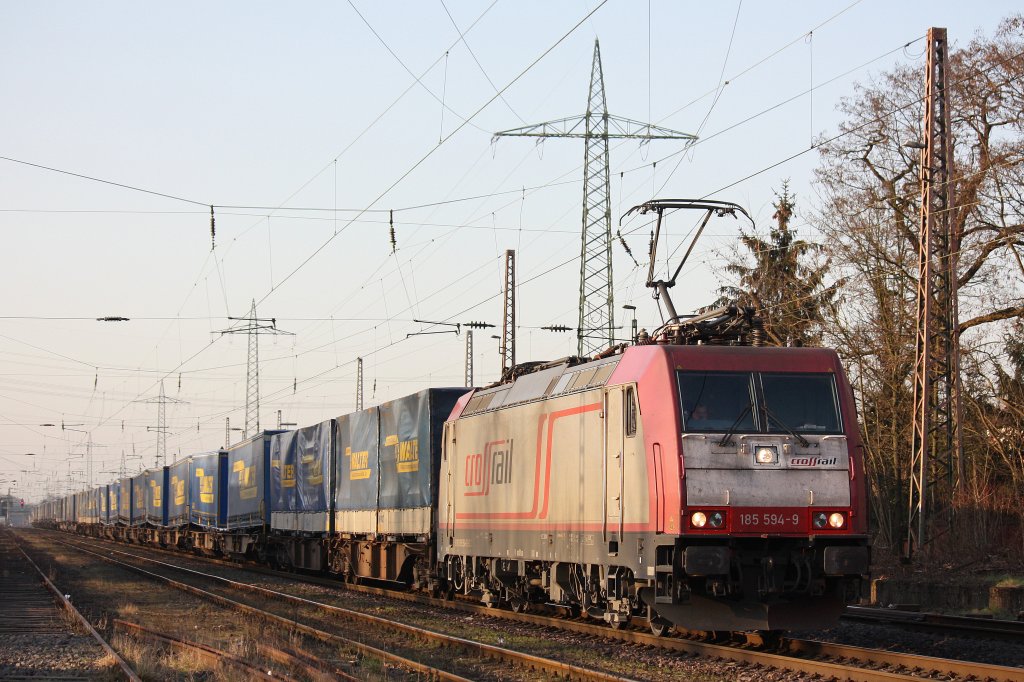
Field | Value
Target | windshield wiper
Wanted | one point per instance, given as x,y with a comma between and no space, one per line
803,441
735,425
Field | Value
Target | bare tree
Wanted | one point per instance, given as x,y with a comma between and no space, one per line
868,182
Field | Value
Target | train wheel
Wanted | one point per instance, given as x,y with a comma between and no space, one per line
519,605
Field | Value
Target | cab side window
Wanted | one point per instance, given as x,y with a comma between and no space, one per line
629,405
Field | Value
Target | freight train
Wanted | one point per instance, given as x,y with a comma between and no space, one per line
693,478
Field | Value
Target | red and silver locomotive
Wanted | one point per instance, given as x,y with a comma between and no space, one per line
695,479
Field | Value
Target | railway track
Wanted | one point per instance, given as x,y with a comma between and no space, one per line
989,628
292,659
801,656
33,606
298,618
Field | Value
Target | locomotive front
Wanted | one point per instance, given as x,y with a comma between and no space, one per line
772,526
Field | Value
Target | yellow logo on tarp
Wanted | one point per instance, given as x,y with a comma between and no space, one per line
287,473
314,469
178,486
205,487
157,491
358,464
140,497
407,456
246,480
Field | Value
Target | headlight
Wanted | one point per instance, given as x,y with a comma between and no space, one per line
820,519
836,520
766,454
698,520
717,519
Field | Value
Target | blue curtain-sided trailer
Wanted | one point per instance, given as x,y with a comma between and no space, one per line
300,479
104,505
178,496
156,497
248,485
208,490
113,506
301,492
124,502
207,494
137,518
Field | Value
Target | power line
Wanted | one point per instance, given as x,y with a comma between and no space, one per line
472,54
431,152
103,181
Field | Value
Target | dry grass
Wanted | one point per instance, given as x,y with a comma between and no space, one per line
140,655
154,662
71,622
109,669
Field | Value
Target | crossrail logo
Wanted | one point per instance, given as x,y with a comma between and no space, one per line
493,466
813,461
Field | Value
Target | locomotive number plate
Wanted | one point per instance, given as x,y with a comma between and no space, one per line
767,521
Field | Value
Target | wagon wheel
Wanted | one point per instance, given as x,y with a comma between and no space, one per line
519,604
659,626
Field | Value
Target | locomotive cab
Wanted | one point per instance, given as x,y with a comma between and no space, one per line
772,528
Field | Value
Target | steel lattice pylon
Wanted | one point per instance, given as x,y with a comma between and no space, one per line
508,325
252,378
253,327
359,384
596,330
469,358
161,423
936,460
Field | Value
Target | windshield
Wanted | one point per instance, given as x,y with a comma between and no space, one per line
758,402
716,401
802,402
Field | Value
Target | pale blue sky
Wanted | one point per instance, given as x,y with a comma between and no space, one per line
249,104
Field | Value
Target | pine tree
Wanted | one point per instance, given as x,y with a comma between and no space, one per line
785,282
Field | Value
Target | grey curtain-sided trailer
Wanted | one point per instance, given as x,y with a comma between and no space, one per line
387,460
